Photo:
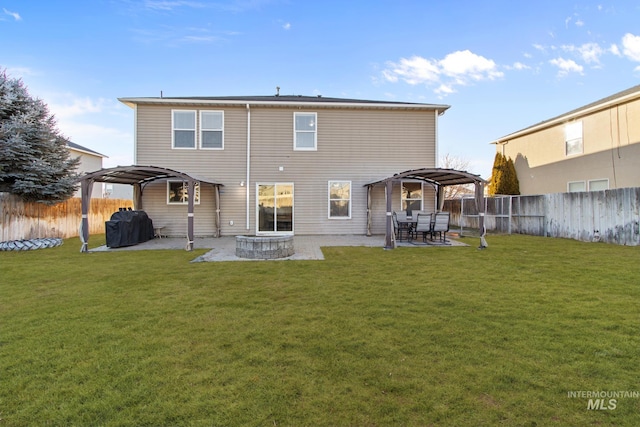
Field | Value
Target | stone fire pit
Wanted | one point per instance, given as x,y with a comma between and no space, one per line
264,247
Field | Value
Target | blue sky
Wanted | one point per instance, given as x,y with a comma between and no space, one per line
501,65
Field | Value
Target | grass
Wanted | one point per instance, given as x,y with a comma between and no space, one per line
413,336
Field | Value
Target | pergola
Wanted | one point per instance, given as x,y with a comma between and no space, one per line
438,178
139,176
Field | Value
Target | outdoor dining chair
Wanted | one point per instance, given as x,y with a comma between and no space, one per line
441,225
424,226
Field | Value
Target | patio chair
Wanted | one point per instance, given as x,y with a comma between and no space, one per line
441,225
397,229
424,226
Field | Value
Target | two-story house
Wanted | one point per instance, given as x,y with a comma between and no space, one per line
287,164
594,147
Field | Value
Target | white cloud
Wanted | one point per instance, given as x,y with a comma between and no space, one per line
14,15
466,64
589,52
520,66
287,26
631,46
615,50
566,66
579,23
458,68
415,70
73,107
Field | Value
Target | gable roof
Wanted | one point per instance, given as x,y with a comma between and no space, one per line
612,100
284,101
79,147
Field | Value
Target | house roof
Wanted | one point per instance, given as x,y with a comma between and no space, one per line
139,175
612,100
283,101
79,147
438,176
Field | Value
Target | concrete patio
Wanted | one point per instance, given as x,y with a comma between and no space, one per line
306,247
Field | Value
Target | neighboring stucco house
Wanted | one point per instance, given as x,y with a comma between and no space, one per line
595,147
91,160
286,164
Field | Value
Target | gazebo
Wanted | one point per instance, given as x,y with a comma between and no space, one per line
436,177
139,176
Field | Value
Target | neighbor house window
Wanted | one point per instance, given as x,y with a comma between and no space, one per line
576,186
573,138
183,124
305,131
340,199
411,196
178,193
212,130
598,184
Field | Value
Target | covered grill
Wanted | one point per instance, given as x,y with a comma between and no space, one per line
127,228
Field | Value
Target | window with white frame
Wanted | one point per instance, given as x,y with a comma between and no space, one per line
576,186
212,130
178,193
183,125
411,196
598,184
573,138
305,132
340,199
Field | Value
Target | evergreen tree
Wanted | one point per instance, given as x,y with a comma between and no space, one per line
512,185
504,179
496,174
35,163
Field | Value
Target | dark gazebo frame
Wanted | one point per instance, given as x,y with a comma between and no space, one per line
139,176
438,178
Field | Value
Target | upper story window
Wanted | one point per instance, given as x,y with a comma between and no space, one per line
212,130
411,196
305,132
183,125
573,138
340,199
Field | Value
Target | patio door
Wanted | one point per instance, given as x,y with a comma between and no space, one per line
275,208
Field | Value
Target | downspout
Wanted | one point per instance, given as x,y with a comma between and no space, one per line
436,137
135,134
247,186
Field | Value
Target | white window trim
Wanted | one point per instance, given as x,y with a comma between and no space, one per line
421,192
315,132
204,130
576,182
196,192
566,139
598,179
195,130
330,199
257,210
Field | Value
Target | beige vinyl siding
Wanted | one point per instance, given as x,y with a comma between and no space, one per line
174,217
226,166
357,145
353,145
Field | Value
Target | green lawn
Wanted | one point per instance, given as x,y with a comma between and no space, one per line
368,337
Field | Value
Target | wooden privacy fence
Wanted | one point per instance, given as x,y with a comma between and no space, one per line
25,220
610,216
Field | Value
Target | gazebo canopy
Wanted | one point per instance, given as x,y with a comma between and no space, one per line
138,176
438,177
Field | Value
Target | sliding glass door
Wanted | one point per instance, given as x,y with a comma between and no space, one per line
275,208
